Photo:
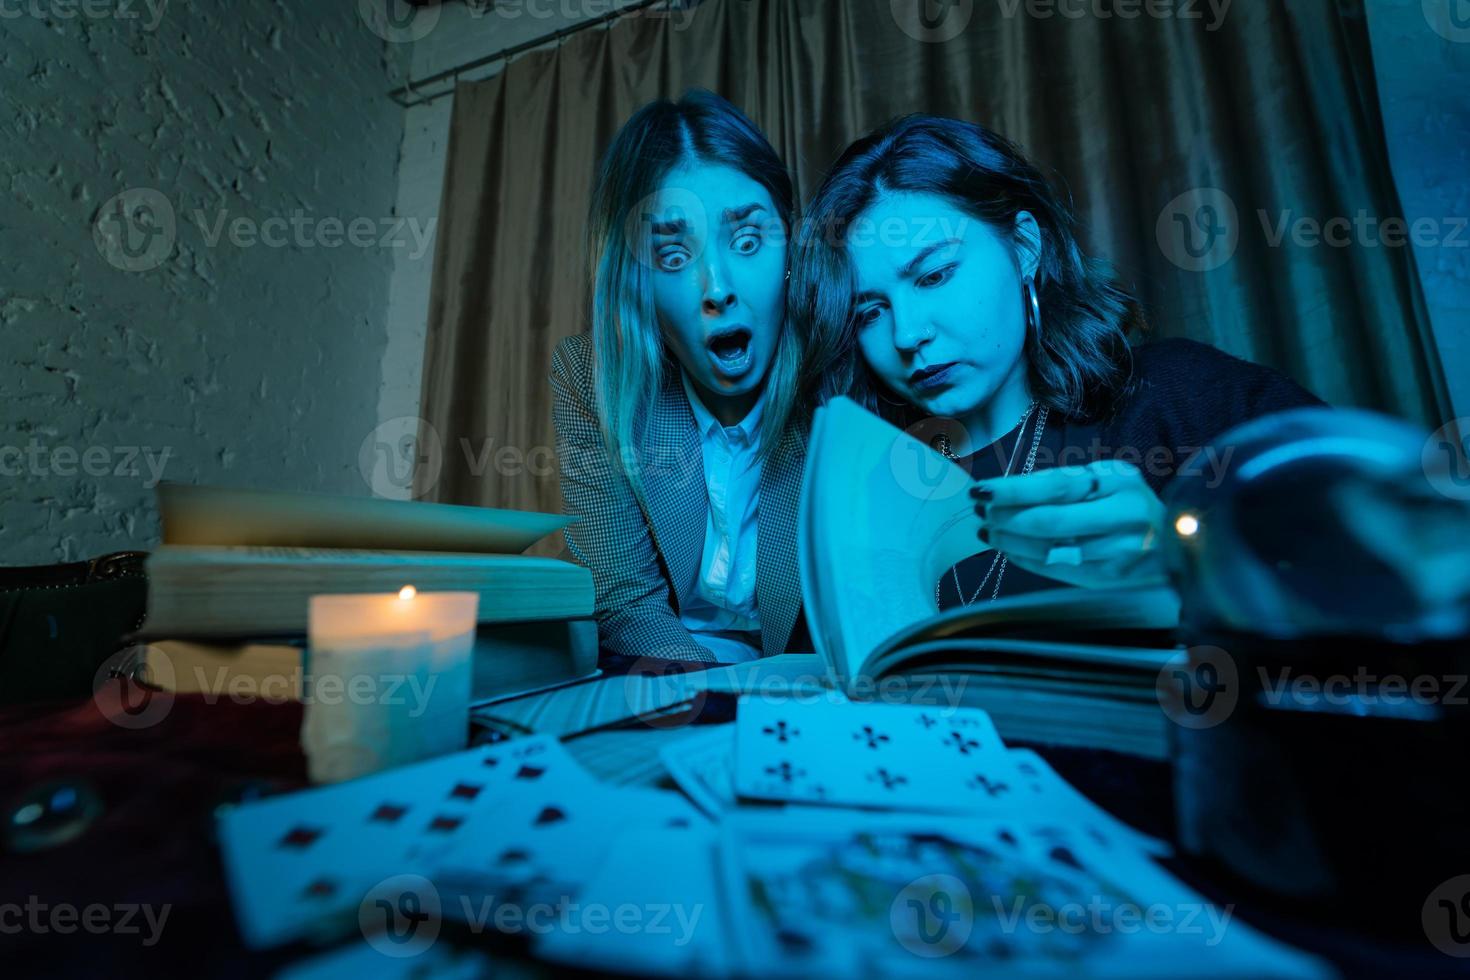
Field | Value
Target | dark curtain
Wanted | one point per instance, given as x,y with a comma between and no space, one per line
1187,144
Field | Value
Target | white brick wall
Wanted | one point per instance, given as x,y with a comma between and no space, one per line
232,362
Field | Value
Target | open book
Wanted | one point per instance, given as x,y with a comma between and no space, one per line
882,517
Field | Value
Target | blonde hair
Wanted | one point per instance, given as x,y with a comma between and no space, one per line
629,354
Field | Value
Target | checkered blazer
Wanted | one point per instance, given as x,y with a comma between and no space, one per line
644,556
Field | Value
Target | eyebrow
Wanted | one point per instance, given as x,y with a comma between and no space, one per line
677,226
732,215
910,267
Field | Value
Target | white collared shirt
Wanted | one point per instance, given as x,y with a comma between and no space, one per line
722,613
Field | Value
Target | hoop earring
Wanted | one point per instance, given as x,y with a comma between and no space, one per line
1031,305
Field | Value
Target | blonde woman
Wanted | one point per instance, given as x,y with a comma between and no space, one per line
678,428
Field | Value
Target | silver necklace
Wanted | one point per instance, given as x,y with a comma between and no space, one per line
1000,561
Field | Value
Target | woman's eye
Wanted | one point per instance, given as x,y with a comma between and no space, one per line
936,277
747,243
868,315
673,259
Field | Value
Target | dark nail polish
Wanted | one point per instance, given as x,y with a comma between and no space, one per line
981,493
985,534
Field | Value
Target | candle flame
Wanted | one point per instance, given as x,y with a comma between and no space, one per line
1187,525
407,592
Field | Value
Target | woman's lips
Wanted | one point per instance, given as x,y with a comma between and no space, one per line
933,377
730,352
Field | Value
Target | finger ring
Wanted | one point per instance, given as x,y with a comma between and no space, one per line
1064,555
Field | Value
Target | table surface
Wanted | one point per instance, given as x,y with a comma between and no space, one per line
160,786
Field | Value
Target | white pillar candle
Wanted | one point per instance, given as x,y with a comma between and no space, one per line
389,680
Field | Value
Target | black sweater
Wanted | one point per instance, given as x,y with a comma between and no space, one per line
1183,395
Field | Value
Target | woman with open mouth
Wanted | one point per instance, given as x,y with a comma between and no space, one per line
678,425
937,280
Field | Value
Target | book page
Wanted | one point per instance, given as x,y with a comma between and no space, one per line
195,515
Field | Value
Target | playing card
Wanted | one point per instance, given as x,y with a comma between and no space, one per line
1039,791
651,917
849,893
541,845
703,767
298,860
863,754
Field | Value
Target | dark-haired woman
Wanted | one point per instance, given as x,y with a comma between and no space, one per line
678,433
937,276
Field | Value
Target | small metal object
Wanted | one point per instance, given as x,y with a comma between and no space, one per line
50,815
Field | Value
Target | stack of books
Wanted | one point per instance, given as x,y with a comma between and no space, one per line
229,587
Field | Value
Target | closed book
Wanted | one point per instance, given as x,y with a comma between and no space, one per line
251,592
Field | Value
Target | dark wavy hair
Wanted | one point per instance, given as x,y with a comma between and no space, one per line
1079,361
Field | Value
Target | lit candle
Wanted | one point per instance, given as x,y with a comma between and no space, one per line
389,680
